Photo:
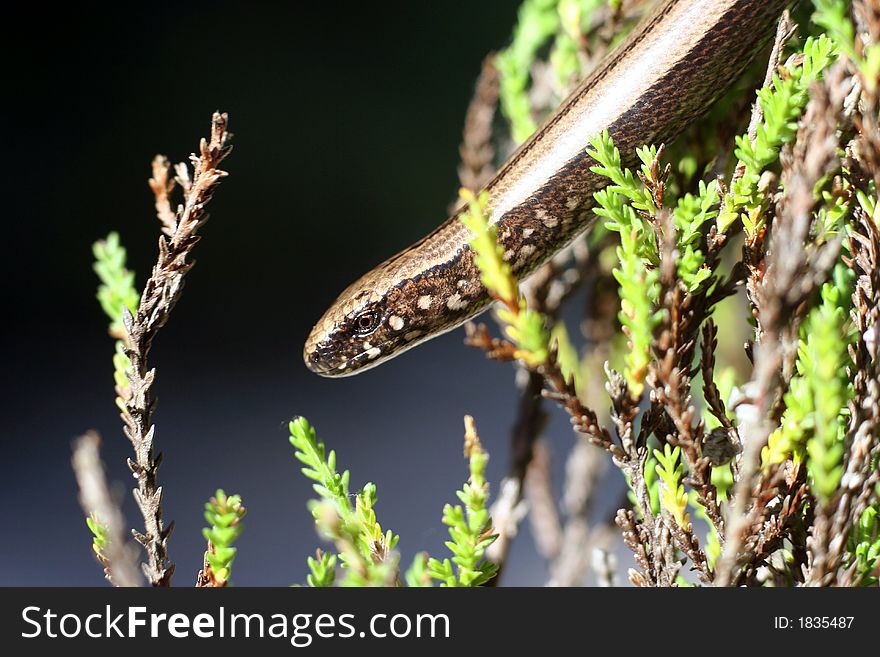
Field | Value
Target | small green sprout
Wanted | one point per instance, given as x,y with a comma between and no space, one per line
782,102
418,574
117,291
224,514
365,550
470,525
689,216
537,21
865,546
673,497
624,204
833,16
322,569
100,537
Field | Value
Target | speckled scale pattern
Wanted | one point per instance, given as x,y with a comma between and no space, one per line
666,74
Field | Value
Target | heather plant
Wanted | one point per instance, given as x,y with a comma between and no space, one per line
754,466
756,489
224,513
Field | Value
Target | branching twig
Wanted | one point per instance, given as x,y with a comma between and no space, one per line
162,291
794,269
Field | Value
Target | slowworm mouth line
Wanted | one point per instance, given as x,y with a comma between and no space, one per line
669,70
329,370
352,368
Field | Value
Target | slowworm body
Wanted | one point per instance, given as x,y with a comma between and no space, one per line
667,73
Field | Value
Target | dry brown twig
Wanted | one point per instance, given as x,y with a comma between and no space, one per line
789,278
161,293
584,420
119,557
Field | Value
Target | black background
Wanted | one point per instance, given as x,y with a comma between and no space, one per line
347,124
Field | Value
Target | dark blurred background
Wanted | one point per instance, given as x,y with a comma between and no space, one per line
347,124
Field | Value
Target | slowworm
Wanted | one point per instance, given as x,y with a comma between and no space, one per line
667,73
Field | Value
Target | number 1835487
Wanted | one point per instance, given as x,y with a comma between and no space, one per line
813,622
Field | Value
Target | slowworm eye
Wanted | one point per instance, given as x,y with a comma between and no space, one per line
366,323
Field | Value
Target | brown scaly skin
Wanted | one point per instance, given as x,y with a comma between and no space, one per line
669,71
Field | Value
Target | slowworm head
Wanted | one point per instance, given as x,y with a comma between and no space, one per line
366,325
386,312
